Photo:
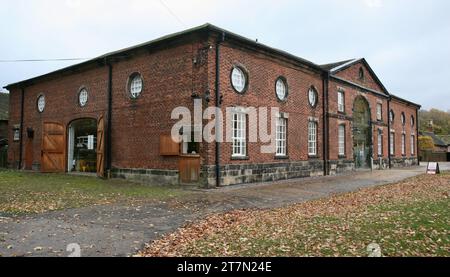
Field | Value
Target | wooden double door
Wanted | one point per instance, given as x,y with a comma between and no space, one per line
54,147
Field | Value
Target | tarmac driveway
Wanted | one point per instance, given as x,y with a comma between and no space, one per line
121,230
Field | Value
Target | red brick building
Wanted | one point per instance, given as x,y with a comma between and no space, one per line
112,114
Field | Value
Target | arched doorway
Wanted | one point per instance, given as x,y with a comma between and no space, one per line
82,146
362,137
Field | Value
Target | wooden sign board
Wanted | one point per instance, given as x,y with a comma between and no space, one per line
433,168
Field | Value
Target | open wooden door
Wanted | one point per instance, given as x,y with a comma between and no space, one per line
101,147
53,153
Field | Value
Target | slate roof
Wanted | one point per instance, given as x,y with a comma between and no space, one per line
445,138
437,141
331,66
4,106
172,37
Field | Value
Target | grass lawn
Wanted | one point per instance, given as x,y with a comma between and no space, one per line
24,192
410,218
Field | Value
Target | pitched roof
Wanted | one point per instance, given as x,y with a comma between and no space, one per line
4,106
445,138
331,66
165,39
437,141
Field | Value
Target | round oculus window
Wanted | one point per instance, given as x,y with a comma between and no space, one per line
412,121
281,89
136,84
83,97
41,103
312,97
403,118
238,79
391,116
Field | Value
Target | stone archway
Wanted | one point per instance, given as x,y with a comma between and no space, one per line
362,133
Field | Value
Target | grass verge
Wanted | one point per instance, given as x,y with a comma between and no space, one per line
24,192
409,218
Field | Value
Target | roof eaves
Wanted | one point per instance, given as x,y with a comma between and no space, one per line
405,101
206,27
344,66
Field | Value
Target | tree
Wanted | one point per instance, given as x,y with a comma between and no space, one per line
440,121
426,143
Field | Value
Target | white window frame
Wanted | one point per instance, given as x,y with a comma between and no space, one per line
136,85
341,140
403,144
392,144
312,97
239,134
312,138
380,143
238,79
413,145
83,97
281,89
41,103
341,101
391,116
16,135
281,136
379,111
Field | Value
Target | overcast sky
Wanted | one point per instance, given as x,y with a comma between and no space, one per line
407,42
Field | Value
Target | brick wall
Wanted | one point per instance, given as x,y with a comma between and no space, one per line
172,73
399,107
263,72
169,80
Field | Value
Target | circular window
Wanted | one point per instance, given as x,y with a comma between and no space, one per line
83,97
403,118
238,79
136,84
41,103
412,121
312,97
281,89
391,116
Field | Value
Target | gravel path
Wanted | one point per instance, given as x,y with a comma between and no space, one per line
121,230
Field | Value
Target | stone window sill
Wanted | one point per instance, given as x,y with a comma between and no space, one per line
281,157
237,158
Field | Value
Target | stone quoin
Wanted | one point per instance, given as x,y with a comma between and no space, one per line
112,115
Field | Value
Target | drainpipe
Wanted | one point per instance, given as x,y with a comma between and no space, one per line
417,136
389,131
22,101
217,96
109,127
325,78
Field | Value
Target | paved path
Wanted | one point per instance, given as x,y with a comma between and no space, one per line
121,230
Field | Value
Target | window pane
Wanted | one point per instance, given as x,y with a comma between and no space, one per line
312,138
341,140
380,143
238,79
239,134
281,137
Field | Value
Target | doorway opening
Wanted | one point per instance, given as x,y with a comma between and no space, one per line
362,137
82,146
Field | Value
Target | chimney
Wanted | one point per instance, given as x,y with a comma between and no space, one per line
430,125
